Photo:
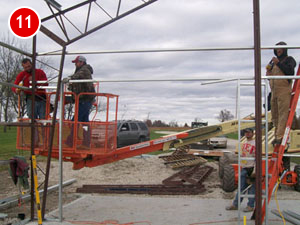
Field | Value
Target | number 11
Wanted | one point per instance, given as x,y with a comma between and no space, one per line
20,21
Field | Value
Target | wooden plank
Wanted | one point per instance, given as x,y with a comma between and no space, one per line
200,152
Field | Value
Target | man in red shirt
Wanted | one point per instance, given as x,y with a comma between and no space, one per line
24,78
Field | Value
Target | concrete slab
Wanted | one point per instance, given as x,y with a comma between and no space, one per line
157,210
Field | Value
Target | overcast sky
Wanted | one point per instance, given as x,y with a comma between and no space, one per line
172,24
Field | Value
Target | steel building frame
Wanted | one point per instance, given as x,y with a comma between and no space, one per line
67,40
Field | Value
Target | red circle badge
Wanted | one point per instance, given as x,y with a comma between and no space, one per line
24,22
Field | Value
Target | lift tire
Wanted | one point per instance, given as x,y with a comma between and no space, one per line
228,183
297,171
226,159
223,161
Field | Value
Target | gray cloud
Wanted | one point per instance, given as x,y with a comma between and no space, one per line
175,24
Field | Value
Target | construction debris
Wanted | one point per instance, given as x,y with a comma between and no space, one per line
194,175
181,150
151,189
182,160
186,182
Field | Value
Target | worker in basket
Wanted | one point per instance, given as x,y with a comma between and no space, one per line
83,71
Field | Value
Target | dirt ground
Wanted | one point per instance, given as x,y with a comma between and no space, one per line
138,170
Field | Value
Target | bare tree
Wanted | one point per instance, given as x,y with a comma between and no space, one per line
198,119
224,115
173,123
9,68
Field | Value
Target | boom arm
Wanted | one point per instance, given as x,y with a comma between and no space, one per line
164,143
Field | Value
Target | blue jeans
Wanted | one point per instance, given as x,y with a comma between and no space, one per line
244,185
84,111
83,116
39,109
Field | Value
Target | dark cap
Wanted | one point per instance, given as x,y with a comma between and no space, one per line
249,130
281,43
79,58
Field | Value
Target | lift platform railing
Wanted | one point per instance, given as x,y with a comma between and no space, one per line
101,134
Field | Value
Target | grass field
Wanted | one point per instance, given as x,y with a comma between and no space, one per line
8,143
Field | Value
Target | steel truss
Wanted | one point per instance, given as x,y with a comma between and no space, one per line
60,17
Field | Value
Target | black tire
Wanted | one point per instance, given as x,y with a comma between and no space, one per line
223,161
297,171
228,183
142,139
226,159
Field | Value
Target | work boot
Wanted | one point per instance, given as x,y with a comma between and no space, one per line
248,209
231,207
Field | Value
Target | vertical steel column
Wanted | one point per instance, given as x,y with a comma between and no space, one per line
33,84
61,94
258,120
266,151
52,130
239,148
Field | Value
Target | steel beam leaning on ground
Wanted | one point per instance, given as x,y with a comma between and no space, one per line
293,214
286,216
151,189
13,201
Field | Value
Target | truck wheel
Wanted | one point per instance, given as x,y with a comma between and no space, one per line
228,183
142,139
297,171
223,160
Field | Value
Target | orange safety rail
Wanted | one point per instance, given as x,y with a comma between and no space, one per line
24,132
102,133
276,166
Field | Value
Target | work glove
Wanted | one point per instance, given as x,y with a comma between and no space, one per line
66,79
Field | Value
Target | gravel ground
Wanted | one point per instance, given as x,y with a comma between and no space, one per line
138,170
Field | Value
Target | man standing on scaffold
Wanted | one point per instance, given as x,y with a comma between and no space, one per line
281,89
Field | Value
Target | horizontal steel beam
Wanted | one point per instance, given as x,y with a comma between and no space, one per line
15,49
163,50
